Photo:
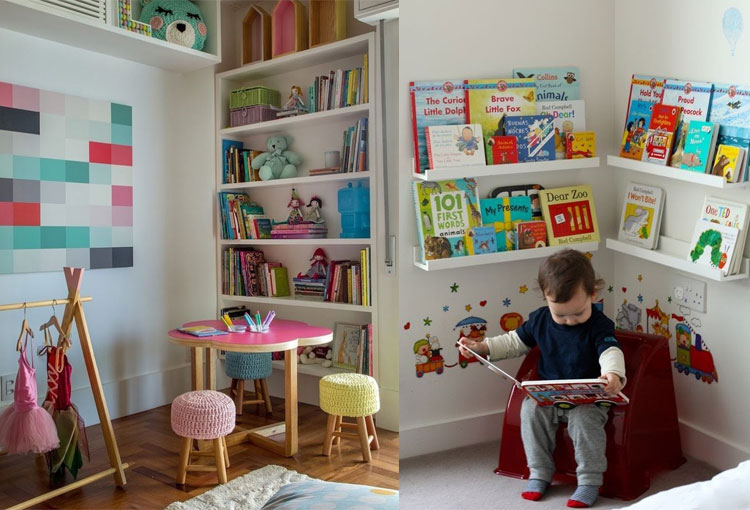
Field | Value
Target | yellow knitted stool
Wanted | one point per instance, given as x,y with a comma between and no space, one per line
356,396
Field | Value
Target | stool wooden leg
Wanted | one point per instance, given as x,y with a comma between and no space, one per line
374,433
364,440
328,441
337,428
266,396
258,393
221,468
239,397
226,450
187,444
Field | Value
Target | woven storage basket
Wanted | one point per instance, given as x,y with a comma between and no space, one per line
252,96
349,395
251,115
240,365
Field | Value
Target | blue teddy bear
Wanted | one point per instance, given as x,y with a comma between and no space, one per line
278,163
176,21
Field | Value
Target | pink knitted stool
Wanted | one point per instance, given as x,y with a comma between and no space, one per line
203,414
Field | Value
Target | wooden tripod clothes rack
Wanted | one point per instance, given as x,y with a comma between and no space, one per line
74,313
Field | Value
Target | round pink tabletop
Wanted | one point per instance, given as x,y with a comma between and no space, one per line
282,335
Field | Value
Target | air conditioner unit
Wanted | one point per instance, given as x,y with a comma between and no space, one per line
87,9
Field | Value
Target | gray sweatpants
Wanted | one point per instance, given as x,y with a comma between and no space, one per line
586,429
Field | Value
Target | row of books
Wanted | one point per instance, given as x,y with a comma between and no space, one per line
491,103
237,163
452,221
718,237
352,347
299,231
348,281
697,126
341,88
241,218
246,273
354,148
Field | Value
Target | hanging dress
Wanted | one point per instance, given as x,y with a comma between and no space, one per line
69,423
24,426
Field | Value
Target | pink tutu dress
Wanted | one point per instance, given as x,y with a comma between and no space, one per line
24,426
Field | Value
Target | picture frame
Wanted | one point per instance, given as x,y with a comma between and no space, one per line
346,338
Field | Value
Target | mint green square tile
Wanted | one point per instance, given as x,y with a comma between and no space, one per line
122,135
6,166
26,167
53,237
6,238
101,237
52,169
100,174
6,261
76,171
100,132
77,237
122,114
27,238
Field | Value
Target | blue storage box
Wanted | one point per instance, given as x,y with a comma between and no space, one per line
354,207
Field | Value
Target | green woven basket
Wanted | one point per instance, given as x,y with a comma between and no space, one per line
251,96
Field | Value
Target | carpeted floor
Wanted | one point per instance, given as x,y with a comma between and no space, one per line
463,479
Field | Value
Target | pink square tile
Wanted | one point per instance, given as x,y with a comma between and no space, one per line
122,195
51,102
25,98
122,216
6,94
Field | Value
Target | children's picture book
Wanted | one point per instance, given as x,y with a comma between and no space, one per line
522,190
458,145
641,215
729,213
644,92
445,210
713,245
561,393
570,215
580,144
729,162
503,213
568,116
531,234
481,240
346,338
504,149
661,129
535,135
434,103
700,144
490,102
730,108
201,331
695,100
552,83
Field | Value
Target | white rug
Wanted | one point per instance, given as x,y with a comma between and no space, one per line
248,492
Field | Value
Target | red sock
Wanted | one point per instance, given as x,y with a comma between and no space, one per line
572,503
532,495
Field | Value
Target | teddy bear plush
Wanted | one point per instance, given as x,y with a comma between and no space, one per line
278,162
322,354
176,21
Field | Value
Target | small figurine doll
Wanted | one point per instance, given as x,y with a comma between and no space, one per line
313,212
295,101
295,215
318,267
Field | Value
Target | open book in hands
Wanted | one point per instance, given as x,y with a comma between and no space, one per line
561,393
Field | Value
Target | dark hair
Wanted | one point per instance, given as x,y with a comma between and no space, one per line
561,274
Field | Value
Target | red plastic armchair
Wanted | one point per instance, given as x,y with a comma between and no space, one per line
642,437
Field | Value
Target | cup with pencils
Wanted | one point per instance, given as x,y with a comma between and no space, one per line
232,328
257,325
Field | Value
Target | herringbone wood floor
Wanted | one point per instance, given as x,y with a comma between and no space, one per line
147,442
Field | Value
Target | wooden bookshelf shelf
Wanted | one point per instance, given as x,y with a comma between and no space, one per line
440,174
307,120
493,258
296,181
674,173
673,253
335,241
313,369
303,303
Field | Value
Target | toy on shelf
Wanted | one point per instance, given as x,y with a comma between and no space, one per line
288,28
313,210
278,162
318,267
176,21
295,105
256,35
297,226
327,22
322,354
354,207
295,215
125,19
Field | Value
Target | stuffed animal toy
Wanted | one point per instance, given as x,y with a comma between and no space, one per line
322,354
176,21
277,163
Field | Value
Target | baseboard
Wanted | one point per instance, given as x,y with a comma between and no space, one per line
447,435
710,448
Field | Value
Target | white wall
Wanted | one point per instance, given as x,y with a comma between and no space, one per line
486,39
713,417
173,167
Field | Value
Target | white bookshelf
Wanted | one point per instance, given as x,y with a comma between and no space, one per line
58,25
295,181
333,241
460,172
493,258
295,301
673,253
678,174
311,120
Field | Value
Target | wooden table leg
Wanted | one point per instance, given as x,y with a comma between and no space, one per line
210,368
196,362
290,402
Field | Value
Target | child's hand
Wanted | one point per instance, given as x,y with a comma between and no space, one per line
614,384
478,347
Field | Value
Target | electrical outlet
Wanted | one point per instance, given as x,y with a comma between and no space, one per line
7,387
689,292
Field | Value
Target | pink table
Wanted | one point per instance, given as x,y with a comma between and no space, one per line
283,335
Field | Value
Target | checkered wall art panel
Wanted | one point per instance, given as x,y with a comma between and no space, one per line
66,181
